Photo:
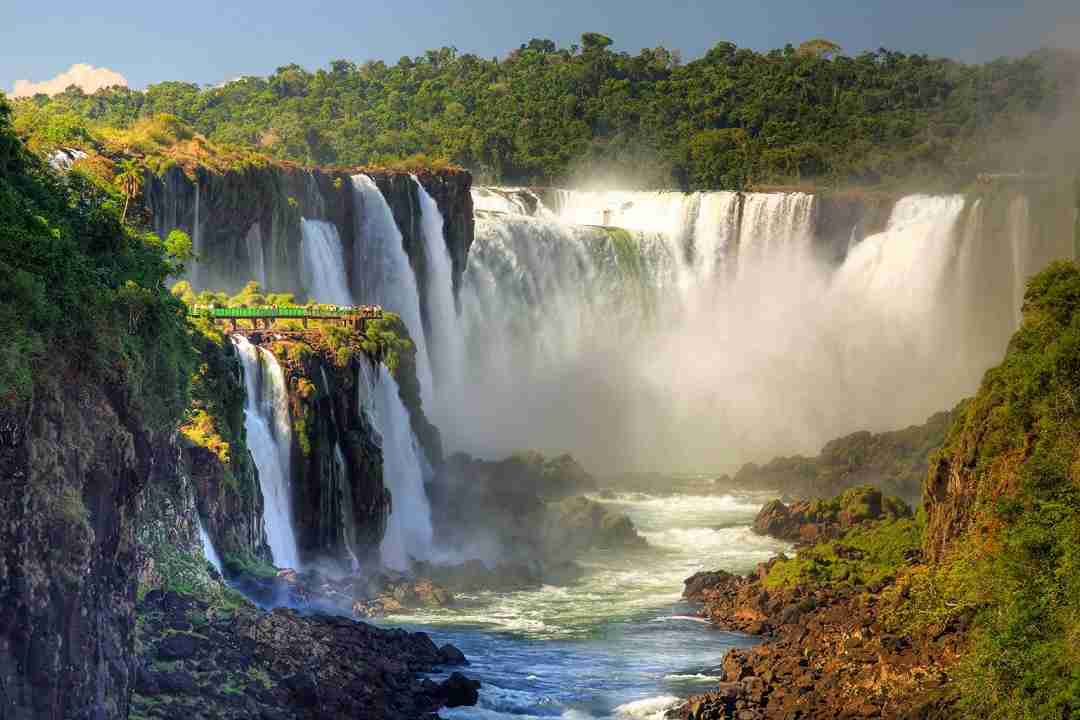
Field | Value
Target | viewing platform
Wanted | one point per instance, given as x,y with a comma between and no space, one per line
355,316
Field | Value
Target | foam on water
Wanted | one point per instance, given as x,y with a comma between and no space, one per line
620,643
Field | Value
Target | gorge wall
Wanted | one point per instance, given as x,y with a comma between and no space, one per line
73,462
245,222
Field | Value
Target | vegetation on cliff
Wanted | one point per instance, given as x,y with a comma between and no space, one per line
79,288
999,528
545,113
1003,500
894,461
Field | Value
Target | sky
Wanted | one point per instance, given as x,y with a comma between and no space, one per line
210,41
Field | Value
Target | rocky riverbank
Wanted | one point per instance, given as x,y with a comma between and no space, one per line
834,644
198,659
829,652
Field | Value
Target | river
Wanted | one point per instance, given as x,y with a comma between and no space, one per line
620,643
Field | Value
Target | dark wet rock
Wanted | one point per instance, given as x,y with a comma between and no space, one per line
696,584
177,647
284,665
303,689
450,655
459,691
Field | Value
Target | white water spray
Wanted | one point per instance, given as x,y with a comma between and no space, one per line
749,340
269,437
324,263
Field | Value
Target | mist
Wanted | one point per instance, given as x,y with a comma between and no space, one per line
721,328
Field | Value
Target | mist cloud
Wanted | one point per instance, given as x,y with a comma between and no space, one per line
87,77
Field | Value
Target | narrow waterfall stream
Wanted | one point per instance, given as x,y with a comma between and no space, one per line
324,266
208,546
447,343
269,437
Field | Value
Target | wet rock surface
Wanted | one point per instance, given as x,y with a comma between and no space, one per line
198,660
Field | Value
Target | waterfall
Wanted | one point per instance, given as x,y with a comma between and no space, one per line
408,532
197,240
207,546
324,263
713,328
348,525
382,273
269,437
447,344
256,259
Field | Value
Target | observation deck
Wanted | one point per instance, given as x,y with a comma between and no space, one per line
355,316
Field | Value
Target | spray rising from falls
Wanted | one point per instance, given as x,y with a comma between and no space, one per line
383,274
269,437
714,328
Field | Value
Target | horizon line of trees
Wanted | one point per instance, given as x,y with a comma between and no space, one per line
545,114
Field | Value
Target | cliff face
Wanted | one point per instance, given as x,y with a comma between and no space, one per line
340,504
1018,437
245,223
72,464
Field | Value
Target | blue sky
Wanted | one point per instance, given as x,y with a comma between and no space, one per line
201,41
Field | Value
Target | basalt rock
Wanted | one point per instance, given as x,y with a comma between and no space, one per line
340,503
72,464
827,654
238,662
811,521
248,218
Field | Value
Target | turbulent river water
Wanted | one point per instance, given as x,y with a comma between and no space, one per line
620,643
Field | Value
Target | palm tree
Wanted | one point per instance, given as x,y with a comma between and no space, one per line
129,182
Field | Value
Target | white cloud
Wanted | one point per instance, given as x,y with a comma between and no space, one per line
87,77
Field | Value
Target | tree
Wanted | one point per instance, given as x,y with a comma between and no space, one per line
819,48
129,182
718,159
595,41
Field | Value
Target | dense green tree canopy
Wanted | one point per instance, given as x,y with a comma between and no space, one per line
549,114
82,293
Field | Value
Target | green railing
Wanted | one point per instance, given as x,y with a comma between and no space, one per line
317,312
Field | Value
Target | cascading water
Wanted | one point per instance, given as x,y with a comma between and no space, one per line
408,532
750,340
195,272
208,546
253,243
447,342
324,263
383,275
269,437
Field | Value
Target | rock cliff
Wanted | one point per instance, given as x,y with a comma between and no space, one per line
245,222
73,463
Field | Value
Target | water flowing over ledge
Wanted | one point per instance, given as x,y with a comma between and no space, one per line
601,316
